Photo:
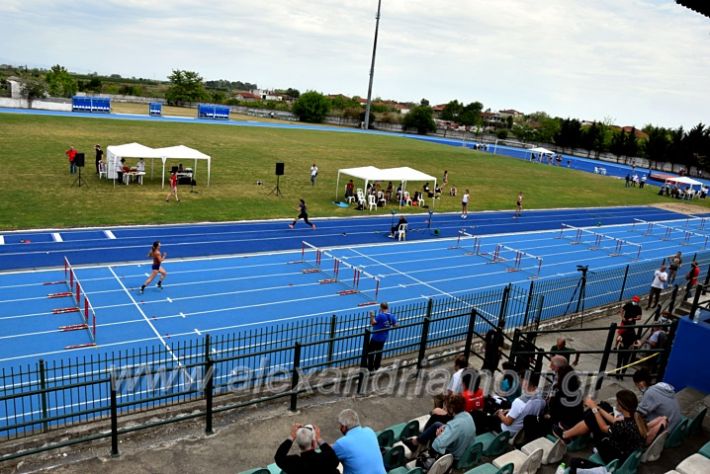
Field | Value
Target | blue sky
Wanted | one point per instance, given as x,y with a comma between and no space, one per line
632,61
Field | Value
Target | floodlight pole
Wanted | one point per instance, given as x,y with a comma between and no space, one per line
372,67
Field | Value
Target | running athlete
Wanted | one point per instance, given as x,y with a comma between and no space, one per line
157,266
302,214
519,205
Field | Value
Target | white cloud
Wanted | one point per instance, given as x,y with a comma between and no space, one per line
640,61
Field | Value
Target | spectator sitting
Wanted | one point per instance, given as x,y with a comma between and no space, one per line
614,437
140,166
560,348
395,228
426,189
415,199
510,388
440,412
388,191
452,191
565,402
310,461
529,403
406,200
454,437
658,338
358,449
381,201
658,405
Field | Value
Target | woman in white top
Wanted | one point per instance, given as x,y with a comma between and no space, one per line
464,205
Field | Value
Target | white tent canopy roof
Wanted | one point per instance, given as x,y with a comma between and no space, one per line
684,180
372,174
539,149
133,150
181,152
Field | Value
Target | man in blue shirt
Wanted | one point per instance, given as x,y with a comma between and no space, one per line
358,449
381,323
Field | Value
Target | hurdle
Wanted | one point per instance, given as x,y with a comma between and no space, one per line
517,259
619,248
465,236
577,236
641,222
687,234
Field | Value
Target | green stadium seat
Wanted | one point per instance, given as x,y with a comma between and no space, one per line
580,443
491,469
385,438
394,457
274,469
471,457
654,451
630,466
705,450
410,429
677,436
406,470
695,426
257,470
494,444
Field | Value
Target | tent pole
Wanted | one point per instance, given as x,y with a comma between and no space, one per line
209,170
337,185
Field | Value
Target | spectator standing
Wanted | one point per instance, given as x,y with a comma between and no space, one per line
99,156
445,179
519,205
314,174
349,189
455,385
71,154
173,187
660,277
358,449
381,324
309,461
464,204
493,345
626,334
692,277
565,402
560,348
674,263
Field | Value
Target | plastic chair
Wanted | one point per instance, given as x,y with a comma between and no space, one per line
402,232
103,172
258,470
678,434
394,457
695,426
491,469
653,452
405,430
470,457
705,450
553,449
385,438
442,465
406,470
494,444
274,468
578,444
696,463
371,202
523,464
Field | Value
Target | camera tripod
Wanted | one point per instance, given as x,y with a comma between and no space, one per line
580,292
79,181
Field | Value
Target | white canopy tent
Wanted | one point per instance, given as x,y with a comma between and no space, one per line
114,154
684,180
182,152
368,174
540,150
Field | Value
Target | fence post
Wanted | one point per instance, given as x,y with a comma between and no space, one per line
698,290
529,302
209,386
707,280
623,284
114,417
667,351
605,356
363,361
674,295
538,361
423,342
504,306
295,376
43,387
331,342
469,333
514,347
538,312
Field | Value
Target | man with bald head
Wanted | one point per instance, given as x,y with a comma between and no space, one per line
560,348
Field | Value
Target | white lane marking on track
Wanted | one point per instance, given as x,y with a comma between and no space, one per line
145,317
169,300
2,240
182,314
57,237
197,332
109,234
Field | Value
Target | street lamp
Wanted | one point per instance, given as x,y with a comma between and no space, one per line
372,68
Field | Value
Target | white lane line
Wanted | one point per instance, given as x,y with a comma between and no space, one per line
145,317
109,234
57,237
2,240
197,332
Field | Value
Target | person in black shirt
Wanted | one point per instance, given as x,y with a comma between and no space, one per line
309,461
99,157
626,334
494,342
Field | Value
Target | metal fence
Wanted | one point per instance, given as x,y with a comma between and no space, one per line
51,396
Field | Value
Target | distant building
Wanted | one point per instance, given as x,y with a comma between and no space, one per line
247,96
267,95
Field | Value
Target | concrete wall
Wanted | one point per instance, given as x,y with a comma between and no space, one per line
45,104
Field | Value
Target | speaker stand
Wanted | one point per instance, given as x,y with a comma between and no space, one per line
79,181
277,190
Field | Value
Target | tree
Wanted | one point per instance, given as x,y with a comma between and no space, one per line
656,146
185,87
311,106
452,110
570,133
293,93
33,87
471,115
420,118
60,83
617,145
